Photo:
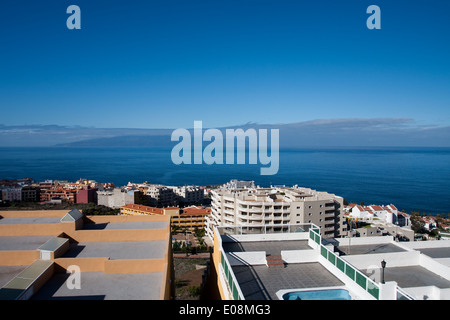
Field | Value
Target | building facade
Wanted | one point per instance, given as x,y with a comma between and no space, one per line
116,197
30,194
273,209
58,192
166,196
191,218
238,184
11,193
188,218
87,195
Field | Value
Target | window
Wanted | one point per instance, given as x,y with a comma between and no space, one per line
298,214
310,214
309,207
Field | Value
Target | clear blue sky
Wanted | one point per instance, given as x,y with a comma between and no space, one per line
166,63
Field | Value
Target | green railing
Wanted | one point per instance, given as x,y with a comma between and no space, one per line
350,271
230,278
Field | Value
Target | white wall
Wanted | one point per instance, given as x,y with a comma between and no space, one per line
266,237
445,294
424,293
299,256
444,261
429,293
434,266
426,244
364,240
247,258
393,259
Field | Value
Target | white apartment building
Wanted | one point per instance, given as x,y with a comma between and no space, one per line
116,197
160,195
11,193
188,195
272,209
238,184
167,196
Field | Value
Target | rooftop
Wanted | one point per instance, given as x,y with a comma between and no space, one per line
368,249
436,252
118,250
265,265
262,283
9,243
101,286
126,225
414,276
129,253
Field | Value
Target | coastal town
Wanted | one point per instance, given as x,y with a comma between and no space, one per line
139,198
209,241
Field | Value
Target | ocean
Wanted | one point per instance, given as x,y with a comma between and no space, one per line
413,179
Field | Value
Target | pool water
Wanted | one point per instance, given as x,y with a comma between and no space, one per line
331,294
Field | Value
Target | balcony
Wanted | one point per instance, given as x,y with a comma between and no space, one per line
255,218
229,219
255,209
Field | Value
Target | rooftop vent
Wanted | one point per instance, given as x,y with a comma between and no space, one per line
72,216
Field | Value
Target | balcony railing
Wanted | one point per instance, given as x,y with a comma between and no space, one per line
264,228
349,270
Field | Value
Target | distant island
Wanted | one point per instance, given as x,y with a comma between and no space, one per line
315,133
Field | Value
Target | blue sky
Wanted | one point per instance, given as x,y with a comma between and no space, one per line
164,64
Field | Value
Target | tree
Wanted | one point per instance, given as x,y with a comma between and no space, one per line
434,233
418,226
175,229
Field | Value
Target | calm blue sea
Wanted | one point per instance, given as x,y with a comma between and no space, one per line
410,178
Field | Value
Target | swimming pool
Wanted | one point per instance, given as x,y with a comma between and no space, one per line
323,294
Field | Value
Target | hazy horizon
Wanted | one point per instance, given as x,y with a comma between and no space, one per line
395,132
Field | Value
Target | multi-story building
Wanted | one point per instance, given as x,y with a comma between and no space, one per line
87,195
238,184
188,195
272,209
160,195
189,218
117,197
30,194
166,196
139,210
11,192
58,191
